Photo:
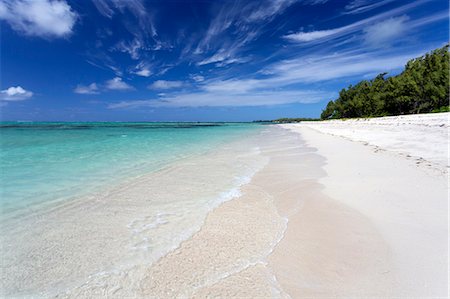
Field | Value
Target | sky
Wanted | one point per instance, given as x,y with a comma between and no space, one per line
203,60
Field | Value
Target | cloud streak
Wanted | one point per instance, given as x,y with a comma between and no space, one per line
361,6
164,84
326,35
206,99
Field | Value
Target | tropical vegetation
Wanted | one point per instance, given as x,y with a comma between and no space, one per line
422,87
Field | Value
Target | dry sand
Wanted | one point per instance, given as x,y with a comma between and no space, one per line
423,137
383,228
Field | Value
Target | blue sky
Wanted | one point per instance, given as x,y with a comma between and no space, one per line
164,60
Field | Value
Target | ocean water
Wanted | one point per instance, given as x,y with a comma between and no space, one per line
86,206
46,162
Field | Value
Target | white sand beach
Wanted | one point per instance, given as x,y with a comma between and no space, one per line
320,216
423,137
386,223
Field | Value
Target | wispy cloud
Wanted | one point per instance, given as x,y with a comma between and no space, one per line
361,6
87,89
206,99
103,60
43,18
311,69
103,6
108,8
224,57
335,66
372,26
235,26
313,35
117,84
269,9
383,33
133,47
94,88
437,17
142,69
137,40
284,82
163,84
17,93
198,78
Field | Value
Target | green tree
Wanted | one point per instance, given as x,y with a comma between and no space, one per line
422,87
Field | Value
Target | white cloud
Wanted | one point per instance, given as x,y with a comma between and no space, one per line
222,55
109,8
329,34
133,47
44,18
329,67
313,35
163,84
145,72
117,84
87,89
234,86
142,69
357,3
438,17
225,57
360,6
228,61
311,69
206,99
198,78
269,9
245,21
104,8
138,38
15,94
385,32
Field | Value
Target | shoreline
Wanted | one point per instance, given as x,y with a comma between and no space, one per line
330,246
322,216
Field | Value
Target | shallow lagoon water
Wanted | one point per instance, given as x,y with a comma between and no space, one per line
87,205
44,162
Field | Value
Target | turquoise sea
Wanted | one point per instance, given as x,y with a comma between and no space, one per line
52,161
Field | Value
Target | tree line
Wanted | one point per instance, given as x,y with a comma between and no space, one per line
421,88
